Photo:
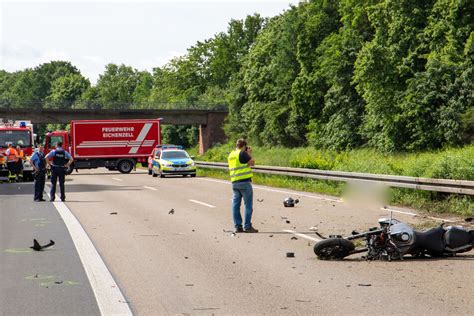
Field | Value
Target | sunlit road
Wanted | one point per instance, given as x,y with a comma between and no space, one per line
185,262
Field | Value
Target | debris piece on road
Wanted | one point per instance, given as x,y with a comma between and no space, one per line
290,254
189,284
354,233
468,219
364,284
287,221
193,230
270,235
260,200
283,217
313,228
294,238
113,213
233,262
171,212
38,247
303,301
289,202
58,282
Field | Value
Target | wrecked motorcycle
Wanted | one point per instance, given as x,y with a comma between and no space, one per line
394,239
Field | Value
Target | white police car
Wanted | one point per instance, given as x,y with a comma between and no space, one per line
170,160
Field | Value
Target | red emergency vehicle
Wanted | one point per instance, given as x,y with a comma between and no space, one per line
17,133
113,144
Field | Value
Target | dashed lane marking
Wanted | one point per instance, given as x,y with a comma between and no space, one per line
202,203
302,235
108,295
117,179
150,188
279,191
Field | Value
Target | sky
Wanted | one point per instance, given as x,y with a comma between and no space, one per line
141,34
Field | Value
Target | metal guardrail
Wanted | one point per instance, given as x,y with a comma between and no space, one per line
438,185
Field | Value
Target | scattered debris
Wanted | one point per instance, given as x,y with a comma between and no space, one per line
189,284
290,254
58,282
38,247
260,200
364,284
334,205
354,232
113,213
468,219
270,236
283,217
186,257
303,301
289,202
294,238
193,230
171,212
233,262
313,228
287,221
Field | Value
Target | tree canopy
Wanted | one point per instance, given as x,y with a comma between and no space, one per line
335,74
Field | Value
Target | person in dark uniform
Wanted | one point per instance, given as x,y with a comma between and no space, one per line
38,162
59,160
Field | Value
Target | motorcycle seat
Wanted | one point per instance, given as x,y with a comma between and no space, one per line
432,240
456,238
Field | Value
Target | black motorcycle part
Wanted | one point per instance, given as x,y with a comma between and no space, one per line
333,248
431,240
456,238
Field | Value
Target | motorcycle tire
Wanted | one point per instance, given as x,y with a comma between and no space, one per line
333,249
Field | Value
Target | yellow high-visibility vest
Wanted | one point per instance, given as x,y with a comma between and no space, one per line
237,170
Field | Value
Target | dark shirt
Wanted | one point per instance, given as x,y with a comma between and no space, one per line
244,158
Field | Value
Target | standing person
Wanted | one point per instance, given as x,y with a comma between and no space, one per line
19,163
240,161
38,162
12,157
59,160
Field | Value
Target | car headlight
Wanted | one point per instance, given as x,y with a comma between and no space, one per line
167,165
192,163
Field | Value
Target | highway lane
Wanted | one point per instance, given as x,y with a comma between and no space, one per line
50,282
185,262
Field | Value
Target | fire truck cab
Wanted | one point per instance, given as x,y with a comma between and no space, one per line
17,133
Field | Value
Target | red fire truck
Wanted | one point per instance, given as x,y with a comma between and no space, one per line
113,144
17,133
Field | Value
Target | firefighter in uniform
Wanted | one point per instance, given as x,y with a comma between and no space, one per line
19,163
38,162
12,157
59,160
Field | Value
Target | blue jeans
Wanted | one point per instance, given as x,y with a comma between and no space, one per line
242,190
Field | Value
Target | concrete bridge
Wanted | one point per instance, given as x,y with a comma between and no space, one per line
210,121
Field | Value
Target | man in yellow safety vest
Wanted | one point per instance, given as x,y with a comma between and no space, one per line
240,161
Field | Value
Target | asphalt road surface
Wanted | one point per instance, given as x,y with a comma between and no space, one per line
187,261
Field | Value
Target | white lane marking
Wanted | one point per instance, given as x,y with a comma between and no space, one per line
278,191
302,235
117,179
414,214
329,199
108,295
150,188
202,203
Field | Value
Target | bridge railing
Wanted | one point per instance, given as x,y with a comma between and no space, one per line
427,184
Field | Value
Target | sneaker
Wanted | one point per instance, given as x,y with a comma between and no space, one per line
239,230
250,230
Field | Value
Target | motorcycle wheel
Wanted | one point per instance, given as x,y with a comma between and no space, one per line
333,248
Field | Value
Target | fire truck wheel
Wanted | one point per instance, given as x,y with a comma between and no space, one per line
125,166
